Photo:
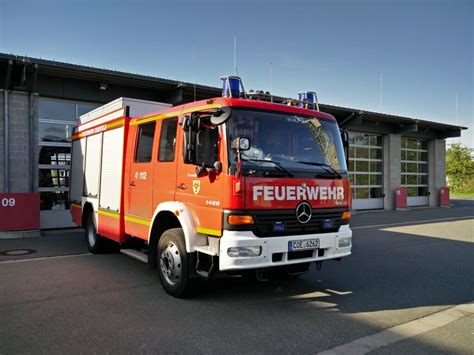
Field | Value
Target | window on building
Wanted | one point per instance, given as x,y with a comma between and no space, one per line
56,121
146,133
414,166
366,165
168,140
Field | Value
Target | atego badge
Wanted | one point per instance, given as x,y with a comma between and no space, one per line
196,186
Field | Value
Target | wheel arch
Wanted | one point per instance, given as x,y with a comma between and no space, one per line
173,215
163,221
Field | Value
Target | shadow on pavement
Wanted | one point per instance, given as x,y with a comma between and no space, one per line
387,271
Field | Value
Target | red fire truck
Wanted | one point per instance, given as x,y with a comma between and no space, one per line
227,185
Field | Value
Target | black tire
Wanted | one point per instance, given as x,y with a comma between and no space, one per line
173,263
95,243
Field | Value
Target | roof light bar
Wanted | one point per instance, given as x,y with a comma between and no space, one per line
308,99
232,86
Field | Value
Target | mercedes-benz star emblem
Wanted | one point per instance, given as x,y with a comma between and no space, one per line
303,212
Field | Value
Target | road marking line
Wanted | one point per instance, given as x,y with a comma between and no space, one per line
403,331
414,222
43,258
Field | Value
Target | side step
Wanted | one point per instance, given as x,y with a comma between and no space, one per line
206,259
140,255
209,250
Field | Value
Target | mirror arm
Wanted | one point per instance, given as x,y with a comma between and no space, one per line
200,169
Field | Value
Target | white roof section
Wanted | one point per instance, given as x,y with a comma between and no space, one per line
136,108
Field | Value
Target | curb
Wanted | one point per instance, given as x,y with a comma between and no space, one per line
20,234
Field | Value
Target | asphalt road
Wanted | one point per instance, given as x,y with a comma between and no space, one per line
405,266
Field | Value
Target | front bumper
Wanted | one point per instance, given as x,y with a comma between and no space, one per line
275,249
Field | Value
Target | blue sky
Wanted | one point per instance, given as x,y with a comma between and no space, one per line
423,49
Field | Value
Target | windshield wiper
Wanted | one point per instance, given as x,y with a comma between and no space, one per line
325,166
277,164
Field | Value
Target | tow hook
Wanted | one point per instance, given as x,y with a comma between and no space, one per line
319,265
259,274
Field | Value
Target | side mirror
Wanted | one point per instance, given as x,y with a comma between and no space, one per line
220,116
218,166
186,122
345,144
345,138
240,143
201,170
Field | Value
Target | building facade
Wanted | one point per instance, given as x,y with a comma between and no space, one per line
41,101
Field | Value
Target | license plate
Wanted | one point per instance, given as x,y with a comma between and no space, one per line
295,245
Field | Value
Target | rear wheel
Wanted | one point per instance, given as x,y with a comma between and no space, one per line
95,242
173,263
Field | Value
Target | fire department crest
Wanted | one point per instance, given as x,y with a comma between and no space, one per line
196,186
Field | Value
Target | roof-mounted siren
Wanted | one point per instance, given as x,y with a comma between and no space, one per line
232,87
308,99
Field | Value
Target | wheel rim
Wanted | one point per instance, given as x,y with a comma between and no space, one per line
91,235
170,264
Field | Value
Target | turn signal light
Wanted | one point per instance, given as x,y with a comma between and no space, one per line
240,219
346,215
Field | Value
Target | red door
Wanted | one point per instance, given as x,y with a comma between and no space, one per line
140,180
202,195
164,176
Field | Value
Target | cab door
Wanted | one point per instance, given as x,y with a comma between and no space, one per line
165,167
140,181
202,194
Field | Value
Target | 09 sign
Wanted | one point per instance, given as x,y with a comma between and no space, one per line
19,211
8,202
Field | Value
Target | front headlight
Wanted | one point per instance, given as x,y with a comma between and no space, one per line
344,242
242,252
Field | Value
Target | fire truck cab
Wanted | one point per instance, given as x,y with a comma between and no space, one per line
221,185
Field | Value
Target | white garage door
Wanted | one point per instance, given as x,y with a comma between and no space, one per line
366,170
414,169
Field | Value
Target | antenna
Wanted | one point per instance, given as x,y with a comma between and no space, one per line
381,88
194,74
457,107
271,78
235,55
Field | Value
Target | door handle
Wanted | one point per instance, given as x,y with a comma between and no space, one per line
182,186
133,183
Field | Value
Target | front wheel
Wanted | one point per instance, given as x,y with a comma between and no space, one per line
173,263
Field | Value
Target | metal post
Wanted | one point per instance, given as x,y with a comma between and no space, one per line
6,131
31,129
6,141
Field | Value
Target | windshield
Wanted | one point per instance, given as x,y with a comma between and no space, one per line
295,142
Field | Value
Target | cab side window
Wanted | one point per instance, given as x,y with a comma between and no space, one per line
144,148
168,140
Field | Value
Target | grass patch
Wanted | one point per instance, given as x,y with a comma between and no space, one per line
461,194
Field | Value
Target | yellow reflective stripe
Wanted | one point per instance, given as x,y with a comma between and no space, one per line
209,231
109,214
116,124
174,114
137,220
154,118
76,205
108,126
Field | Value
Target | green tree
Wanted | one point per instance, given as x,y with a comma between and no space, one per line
459,166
